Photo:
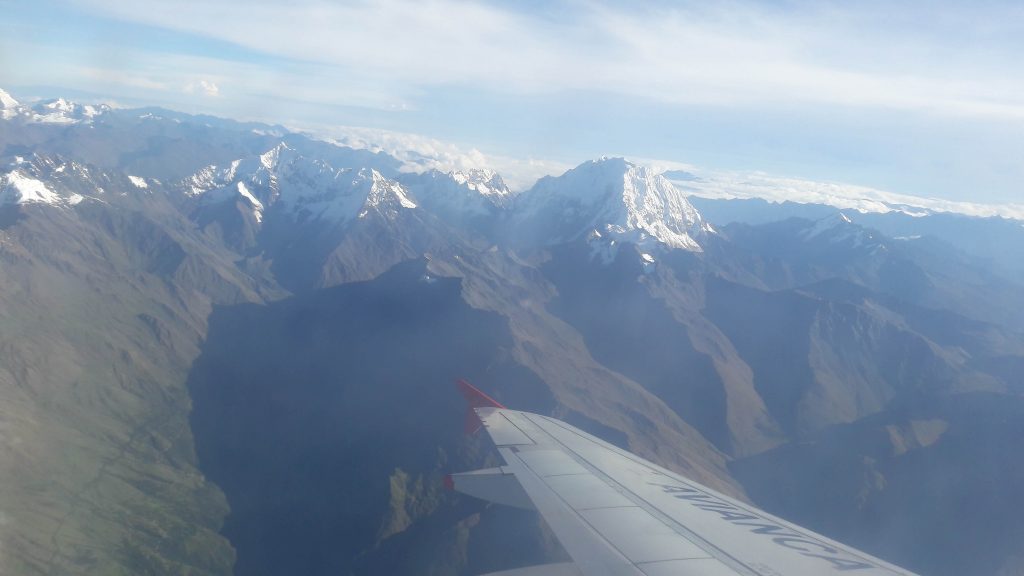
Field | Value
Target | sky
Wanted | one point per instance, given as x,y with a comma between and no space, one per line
919,98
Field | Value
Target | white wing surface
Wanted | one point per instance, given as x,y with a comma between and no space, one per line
617,514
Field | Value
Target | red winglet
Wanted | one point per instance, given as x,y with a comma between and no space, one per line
475,399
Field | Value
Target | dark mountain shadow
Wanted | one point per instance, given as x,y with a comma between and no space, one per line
329,419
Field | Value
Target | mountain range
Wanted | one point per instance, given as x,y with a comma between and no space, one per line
229,347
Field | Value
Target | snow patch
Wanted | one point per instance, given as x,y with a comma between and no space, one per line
404,200
18,188
257,206
138,182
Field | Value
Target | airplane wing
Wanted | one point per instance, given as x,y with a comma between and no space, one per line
617,514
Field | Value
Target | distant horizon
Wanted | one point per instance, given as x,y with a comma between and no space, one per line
522,174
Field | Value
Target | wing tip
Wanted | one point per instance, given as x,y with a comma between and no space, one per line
475,397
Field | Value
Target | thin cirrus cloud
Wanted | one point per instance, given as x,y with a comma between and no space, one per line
736,53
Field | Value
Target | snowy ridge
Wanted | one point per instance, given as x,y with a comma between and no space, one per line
484,182
613,200
58,111
283,181
61,111
384,193
54,181
260,171
459,194
341,195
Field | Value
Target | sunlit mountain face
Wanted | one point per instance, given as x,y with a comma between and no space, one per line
229,348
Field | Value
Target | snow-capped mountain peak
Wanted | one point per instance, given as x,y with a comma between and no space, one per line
58,105
272,158
383,193
620,200
483,181
282,181
459,195
261,171
56,111
61,111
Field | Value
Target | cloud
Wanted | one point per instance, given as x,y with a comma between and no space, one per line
419,153
204,87
953,61
731,185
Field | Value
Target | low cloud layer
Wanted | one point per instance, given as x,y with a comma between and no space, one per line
732,185
419,153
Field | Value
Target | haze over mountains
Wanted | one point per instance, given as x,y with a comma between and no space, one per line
226,347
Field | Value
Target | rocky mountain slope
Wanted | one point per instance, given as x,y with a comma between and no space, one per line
226,347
